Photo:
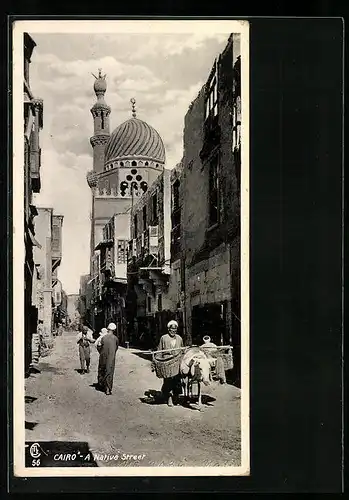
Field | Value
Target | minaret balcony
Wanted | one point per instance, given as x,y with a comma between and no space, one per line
99,140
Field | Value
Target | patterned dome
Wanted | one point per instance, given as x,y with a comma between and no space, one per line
135,138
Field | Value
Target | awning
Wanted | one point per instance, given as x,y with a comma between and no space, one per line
29,124
27,89
120,280
105,243
33,240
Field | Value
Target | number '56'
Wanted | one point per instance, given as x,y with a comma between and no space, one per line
36,462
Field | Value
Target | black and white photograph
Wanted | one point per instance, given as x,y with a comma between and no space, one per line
131,248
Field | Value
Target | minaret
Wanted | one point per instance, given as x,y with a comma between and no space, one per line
100,112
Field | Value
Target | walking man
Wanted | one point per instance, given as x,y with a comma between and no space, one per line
84,339
103,332
107,349
171,387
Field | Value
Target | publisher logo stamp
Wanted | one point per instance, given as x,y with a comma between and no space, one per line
35,450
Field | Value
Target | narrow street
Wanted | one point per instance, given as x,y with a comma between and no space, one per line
63,405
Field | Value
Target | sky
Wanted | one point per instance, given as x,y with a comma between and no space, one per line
163,72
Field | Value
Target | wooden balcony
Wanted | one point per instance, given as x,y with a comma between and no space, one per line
56,241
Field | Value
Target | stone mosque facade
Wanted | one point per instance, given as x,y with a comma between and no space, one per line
125,162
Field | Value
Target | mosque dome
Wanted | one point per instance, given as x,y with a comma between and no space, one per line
135,138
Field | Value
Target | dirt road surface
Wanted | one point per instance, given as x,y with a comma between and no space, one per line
63,405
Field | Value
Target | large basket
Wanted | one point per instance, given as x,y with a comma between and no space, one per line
227,358
228,361
165,368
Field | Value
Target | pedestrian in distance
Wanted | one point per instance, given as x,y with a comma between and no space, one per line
40,331
84,339
171,388
107,349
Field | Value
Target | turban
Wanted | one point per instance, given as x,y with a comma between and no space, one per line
112,326
104,331
172,323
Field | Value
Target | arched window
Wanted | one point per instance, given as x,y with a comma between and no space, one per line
134,164
102,119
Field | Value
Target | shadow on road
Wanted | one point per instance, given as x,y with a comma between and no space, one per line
29,399
143,355
233,378
78,370
30,425
97,387
205,401
153,397
60,454
47,368
34,370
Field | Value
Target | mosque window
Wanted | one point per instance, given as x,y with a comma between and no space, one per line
134,164
146,164
154,205
133,171
135,226
121,164
157,164
144,213
144,186
138,178
102,119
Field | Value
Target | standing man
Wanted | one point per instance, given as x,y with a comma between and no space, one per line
41,331
103,332
171,387
107,349
215,359
84,339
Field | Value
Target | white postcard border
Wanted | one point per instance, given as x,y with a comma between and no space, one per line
121,26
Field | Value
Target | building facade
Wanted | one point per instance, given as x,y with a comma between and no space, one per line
83,298
151,298
47,258
111,274
73,313
125,163
33,123
209,199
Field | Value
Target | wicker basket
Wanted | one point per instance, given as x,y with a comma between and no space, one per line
165,368
227,358
228,361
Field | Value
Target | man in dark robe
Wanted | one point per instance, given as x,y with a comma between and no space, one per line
107,349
